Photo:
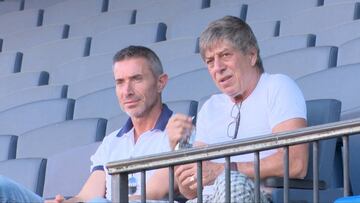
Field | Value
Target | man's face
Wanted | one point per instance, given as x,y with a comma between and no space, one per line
136,86
231,69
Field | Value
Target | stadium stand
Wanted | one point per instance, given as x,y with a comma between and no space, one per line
134,4
7,147
40,4
10,62
349,52
10,6
338,34
35,172
182,64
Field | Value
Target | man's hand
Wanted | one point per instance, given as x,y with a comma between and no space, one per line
58,199
178,126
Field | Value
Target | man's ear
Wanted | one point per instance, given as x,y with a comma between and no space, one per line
253,54
162,81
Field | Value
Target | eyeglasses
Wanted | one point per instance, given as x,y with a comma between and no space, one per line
233,126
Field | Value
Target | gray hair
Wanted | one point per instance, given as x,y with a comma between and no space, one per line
233,30
140,52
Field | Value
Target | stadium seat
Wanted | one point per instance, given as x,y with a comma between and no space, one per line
214,3
265,29
338,34
74,176
327,2
7,147
102,22
276,45
340,83
35,172
116,122
75,11
122,36
54,138
10,6
22,40
183,64
20,119
349,52
189,86
170,49
90,85
300,62
163,10
40,4
133,4
19,81
44,56
10,62
180,27
81,68
319,18
32,94
88,105
19,21
277,9
320,111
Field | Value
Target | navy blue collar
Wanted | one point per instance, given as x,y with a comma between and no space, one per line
160,123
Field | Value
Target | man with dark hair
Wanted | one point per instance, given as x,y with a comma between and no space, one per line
252,103
139,82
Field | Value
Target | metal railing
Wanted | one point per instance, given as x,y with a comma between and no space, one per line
119,170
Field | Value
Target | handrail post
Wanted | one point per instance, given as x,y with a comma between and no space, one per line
171,184
257,176
143,186
227,180
120,187
345,141
315,171
199,182
286,174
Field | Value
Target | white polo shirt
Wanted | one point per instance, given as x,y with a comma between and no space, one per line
276,98
120,145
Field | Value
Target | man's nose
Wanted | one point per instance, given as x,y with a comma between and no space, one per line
128,88
218,65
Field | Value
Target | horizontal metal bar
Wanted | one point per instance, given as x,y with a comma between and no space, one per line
236,147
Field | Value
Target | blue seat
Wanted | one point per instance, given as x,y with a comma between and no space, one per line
320,111
338,34
300,62
75,11
32,94
88,105
10,62
19,21
22,40
275,45
20,119
340,83
35,172
81,68
44,56
214,3
20,81
277,9
349,52
180,26
7,147
319,18
72,178
54,138
133,4
102,22
183,64
265,29
10,6
189,86
40,4
117,38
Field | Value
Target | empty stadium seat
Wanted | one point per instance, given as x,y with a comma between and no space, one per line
338,34
117,38
75,11
81,68
183,64
40,4
22,40
35,172
300,62
276,45
19,81
8,147
189,86
32,94
19,21
46,56
74,176
10,62
20,119
340,83
102,22
214,3
54,138
180,26
133,4
349,52
10,6
116,122
100,104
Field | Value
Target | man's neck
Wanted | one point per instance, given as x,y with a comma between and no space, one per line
146,122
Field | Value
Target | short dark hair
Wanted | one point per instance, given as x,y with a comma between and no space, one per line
233,30
140,52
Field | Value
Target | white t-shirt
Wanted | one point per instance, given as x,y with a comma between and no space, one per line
120,145
275,99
